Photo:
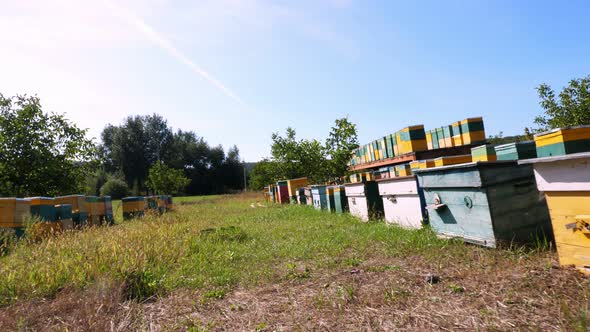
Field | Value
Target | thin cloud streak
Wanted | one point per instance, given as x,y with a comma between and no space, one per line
161,41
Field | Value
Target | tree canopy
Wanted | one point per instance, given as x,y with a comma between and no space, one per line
43,154
570,108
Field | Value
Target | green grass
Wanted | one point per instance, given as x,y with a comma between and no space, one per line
212,243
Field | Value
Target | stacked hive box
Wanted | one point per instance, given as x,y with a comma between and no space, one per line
472,131
308,195
483,153
412,139
95,208
403,170
340,200
364,201
162,203
319,197
133,207
456,131
452,160
152,203
516,151
14,213
63,216
43,209
293,185
563,141
330,204
78,203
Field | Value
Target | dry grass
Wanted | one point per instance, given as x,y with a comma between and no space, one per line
345,284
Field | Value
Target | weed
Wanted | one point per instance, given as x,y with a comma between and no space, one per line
140,285
456,288
214,294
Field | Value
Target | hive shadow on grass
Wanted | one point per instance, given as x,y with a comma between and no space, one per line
224,234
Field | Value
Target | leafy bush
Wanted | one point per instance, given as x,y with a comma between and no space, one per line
115,188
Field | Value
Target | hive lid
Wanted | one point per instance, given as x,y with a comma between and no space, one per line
560,129
572,156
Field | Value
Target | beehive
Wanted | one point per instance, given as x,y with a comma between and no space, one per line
516,151
448,136
482,203
483,153
452,160
42,208
472,131
435,141
301,198
283,192
563,141
389,146
14,212
396,144
403,170
63,215
133,207
78,202
392,172
152,203
330,203
457,136
364,201
95,210
293,185
383,148
308,196
403,201
566,183
319,197
421,164
412,139
108,209
441,138
340,200
429,144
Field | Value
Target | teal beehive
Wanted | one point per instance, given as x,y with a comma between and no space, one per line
516,151
485,202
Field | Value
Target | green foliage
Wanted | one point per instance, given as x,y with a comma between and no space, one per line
42,153
115,188
263,173
499,138
166,180
572,108
341,142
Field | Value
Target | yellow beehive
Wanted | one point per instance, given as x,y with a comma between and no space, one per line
472,131
403,170
412,139
483,153
14,212
452,160
457,137
429,144
422,164
78,202
295,184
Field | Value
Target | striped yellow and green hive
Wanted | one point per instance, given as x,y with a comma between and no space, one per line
63,215
42,208
14,212
472,131
413,139
563,141
483,153
331,204
422,164
162,203
395,143
441,138
78,202
340,200
516,151
452,160
389,146
429,144
403,170
435,144
383,148
448,136
95,210
392,172
456,133
133,207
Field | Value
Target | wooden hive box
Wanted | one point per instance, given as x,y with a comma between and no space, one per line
330,203
389,146
340,200
483,153
283,192
413,139
170,203
108,209
448,136
301,198
42,208
457,135
94,211
441,138
516,151
308,196
566,183
364,201
403,201
383,148
392,172
134,207
78,202
319,197
293,185
485,202
435,141
14,212
452,160
395,140
429,140
403,170
63,215
563,141
472,131
421,164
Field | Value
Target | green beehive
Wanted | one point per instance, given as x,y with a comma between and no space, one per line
63,215
516,151
389,145
435,144
483,153
448,136
441,138
42,208
330,199
340,200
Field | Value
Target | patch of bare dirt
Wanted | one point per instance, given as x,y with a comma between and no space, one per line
410,293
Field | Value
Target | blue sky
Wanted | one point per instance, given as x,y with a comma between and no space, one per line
235,71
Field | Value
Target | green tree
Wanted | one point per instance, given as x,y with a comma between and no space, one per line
341,142
115,188
263,174
42,153
570,108
165,180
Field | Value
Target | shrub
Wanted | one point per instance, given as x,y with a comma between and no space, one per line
115,188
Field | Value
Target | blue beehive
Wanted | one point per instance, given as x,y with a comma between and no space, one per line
484,202
319,197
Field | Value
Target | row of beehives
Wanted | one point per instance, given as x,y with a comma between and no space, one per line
416,139
73,211
522,198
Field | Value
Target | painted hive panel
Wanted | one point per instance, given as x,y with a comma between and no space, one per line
448,136
483,153
516,151
330,203
441,138
473,131
457,136
452,160
563,141
403,202
413,139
